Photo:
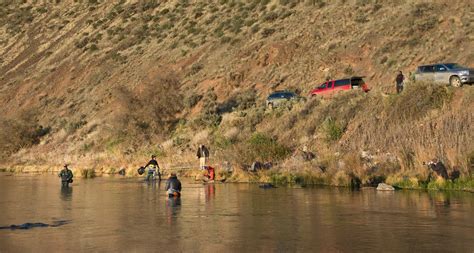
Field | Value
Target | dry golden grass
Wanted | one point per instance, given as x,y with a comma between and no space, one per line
119,81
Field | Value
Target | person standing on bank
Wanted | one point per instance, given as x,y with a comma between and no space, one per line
399,82
66,176
203,155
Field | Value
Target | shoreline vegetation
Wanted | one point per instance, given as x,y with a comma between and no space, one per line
351,140
337,142
278,177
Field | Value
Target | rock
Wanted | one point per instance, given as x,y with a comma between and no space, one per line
260,166
385,187
266,186
122,172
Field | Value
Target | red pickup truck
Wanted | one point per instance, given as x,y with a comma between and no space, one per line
332,86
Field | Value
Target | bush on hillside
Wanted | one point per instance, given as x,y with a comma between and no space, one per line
260,147
19,133
241,100
332,129
192,100
418,99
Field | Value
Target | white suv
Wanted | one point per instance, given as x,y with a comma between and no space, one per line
445,73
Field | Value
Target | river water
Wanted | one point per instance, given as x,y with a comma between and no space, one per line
127,215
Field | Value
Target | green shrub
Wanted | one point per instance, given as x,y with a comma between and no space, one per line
88,173
332,129
93,47
267,32
225,39
255,28
82,43
179,141
264,148
271,16
418,99
195,68
283,179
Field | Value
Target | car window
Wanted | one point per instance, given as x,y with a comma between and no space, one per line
282,95
287,95
275,95
453,66
427,69
322,86
440,68
357,81
343,82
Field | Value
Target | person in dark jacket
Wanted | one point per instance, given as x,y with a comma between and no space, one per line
153,169
173,186
399,82
203,155
66,176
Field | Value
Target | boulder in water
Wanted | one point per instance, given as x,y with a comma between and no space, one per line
385,187
267,186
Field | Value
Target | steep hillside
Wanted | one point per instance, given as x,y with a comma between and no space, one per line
105,83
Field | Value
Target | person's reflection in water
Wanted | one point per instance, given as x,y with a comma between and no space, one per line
66,193
441,202
173,207
210,192
154,184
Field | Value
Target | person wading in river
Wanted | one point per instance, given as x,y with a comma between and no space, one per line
203,155
153,169
66,176
173,186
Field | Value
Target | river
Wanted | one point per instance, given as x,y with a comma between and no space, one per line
116,214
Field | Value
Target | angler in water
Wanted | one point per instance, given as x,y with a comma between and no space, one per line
153,169
173,186
66,176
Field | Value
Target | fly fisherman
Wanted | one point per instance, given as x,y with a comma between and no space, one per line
66,176
153,169
173,186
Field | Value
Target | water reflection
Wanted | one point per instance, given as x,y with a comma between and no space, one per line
210,192
173,208
154,184
66,193
129,215
174,202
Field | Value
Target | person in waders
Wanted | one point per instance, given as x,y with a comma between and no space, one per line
173,186
153,169
66,176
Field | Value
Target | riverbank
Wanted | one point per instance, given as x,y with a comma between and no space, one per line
279,177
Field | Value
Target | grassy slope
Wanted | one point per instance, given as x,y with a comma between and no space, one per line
112,81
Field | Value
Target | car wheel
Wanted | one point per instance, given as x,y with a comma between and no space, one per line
270,106
455,81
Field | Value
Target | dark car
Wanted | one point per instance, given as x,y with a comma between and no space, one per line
445,73
278,98
332,86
